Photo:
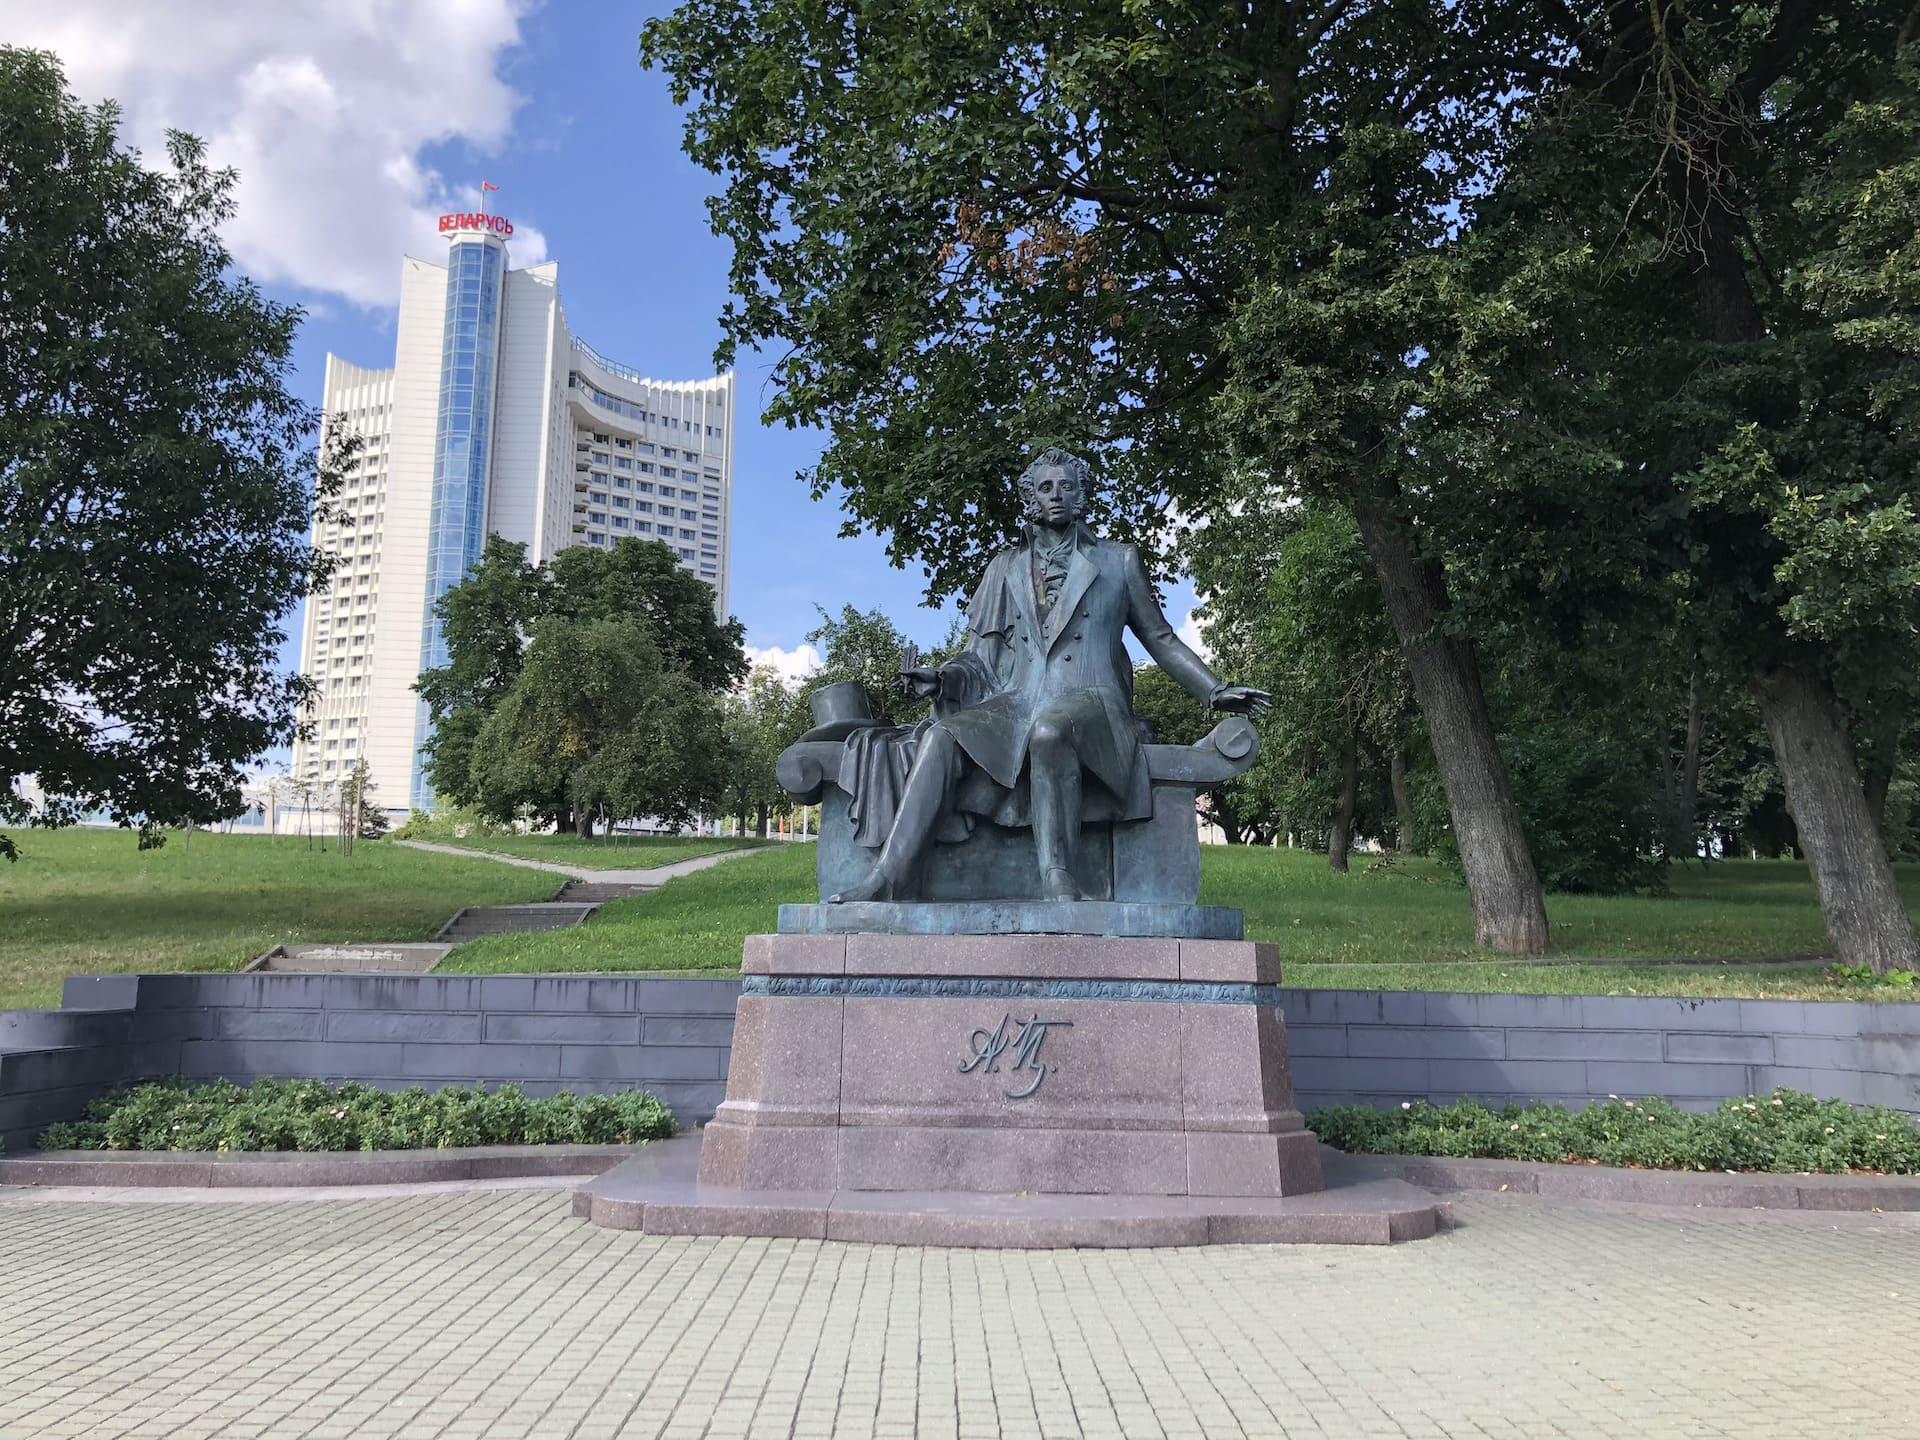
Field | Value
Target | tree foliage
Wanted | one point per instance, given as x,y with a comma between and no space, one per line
1597,319
1095,225
868,648
1703,375
489,620
157,478
598,719
763,717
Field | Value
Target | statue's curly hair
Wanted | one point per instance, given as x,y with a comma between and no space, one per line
1053,457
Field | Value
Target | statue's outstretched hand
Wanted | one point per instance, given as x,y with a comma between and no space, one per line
1242,699
920,681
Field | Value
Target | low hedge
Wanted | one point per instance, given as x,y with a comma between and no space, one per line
1782,1133
312,1115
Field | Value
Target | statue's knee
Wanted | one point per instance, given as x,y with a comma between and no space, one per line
1049,735
940,749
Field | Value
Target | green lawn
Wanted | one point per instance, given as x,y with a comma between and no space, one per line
626,852
697,922
88,901
1387,925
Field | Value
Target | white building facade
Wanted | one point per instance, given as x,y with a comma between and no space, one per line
494,419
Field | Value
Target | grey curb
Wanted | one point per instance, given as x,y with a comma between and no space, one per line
202,1169
1717,1190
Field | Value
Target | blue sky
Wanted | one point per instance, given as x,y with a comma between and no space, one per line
350,123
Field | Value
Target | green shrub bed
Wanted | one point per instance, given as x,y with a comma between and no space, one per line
1782,1133
312,1115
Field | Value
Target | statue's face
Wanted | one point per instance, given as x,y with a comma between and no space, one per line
1056,497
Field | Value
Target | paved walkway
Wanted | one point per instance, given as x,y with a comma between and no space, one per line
654,875
494,1313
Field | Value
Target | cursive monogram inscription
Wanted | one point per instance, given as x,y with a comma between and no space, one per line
987,1046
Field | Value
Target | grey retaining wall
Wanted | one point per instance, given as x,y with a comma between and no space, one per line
548,1034
593,1033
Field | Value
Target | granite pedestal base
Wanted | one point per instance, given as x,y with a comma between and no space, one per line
1004,1090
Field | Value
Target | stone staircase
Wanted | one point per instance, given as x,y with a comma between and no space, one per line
574,905
476,920
596,893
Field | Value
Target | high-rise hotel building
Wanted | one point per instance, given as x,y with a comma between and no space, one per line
493,419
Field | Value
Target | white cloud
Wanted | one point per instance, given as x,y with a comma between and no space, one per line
323,106
1190,632
794,665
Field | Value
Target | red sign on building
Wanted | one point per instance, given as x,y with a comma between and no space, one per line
496,224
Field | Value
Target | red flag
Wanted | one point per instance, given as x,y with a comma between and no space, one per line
488,185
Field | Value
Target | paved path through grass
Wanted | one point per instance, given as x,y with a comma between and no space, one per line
495,1313
597,874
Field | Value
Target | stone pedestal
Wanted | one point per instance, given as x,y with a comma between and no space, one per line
1048,1064
1008,1090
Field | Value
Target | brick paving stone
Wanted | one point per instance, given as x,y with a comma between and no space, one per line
480,1313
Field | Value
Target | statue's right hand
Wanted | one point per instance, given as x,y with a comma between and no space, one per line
921,681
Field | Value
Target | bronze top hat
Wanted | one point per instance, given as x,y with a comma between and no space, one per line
839,710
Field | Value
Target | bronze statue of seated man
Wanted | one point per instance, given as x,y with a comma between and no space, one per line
1033,723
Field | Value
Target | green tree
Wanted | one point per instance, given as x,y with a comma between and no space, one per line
763,717
596,717
488,619
1295,604
1698,269
484,621
866,647
642,579
157,478
1093,225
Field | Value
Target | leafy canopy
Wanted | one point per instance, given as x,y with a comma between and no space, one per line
489,618
157,481
976,228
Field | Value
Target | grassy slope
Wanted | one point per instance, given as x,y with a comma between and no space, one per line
1393,926
637,852
88,901
697,922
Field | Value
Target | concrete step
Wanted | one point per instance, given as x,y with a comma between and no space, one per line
594,892
405,958
478,920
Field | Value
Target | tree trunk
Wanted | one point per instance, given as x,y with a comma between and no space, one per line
1680,782
760,822
1340,837
583,823
1690,769
1402,802
1508,912
1882,759
563,820
1865,918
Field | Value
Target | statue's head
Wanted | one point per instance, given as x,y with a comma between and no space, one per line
1055,488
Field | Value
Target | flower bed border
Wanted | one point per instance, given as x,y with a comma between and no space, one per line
255,1168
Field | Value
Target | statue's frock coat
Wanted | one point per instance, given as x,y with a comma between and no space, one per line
1068,663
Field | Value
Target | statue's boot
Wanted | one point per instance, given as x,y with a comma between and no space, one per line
879,885
1057,883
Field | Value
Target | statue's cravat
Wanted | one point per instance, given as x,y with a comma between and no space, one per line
1050,564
